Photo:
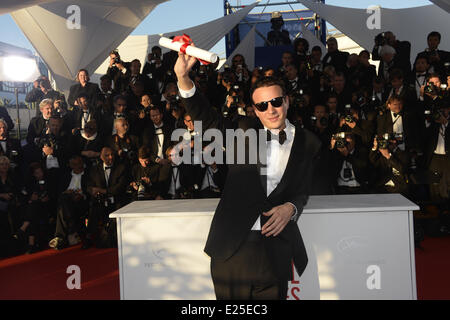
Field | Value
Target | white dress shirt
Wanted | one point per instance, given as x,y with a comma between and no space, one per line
75,182
160,135
397,127
174,180
277,156
277,159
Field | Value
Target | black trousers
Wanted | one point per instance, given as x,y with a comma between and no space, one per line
247,275
69,215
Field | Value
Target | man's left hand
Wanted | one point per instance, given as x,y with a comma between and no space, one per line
280,216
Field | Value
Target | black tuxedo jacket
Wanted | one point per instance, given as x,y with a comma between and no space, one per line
66,177
150,139
92,91
432,135
411,125
36,128
119,179
244,198
76,115
337,59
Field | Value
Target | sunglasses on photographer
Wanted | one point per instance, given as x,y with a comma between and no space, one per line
275,102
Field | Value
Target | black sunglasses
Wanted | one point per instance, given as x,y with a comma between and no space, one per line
275,102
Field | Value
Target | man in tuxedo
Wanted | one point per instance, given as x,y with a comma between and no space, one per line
254,235
10,148
157,136
334,57
398,121
107,186
72,206
437,155
437,58
350,165
82,114
38,124
391,53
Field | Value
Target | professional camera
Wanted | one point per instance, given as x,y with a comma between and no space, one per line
299,99
383,141
323,121
347,114
434,112
174,102
380,39
340,140
447,68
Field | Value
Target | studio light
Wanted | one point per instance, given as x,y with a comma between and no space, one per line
18,69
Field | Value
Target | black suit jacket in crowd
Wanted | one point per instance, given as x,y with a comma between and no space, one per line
92,91
410,128
244,198
150,139
432,135
119,179
66,178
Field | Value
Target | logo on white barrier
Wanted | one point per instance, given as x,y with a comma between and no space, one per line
374,280
74,280
374,20
74,20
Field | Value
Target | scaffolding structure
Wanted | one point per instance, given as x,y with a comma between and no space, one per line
232,40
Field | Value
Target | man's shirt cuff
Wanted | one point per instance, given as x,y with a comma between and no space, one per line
187,94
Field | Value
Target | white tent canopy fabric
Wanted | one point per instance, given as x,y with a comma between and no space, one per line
9,6
104,24
411,24
312,39
205,36
444,4
246,48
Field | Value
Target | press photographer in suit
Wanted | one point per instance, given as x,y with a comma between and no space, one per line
254,234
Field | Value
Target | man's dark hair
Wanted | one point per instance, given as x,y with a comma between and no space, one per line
119,97
144,152
105,77
316,48
268,82
394,97
396,74
155,108
434,34
304,41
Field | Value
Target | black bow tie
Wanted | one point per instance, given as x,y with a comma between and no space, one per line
119,115
281,137
421,74
396,114
108,168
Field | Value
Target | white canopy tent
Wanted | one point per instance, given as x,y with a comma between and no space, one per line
444,4
411,24
312,39
9,6
205,36
104,24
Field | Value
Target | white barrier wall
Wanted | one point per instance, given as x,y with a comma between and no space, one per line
359,247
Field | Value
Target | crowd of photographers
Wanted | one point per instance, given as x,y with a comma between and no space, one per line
109,144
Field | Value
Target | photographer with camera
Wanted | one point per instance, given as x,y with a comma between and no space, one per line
391,53
107,93
145,184
319,124
174,109
403,124
124,144
241,72
87,143
334,57
73,205
437,154
234,107
391,165
362,129
91,90
118,71
436,58
342,91
107,184
350,164
153,67
81,114
398,87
